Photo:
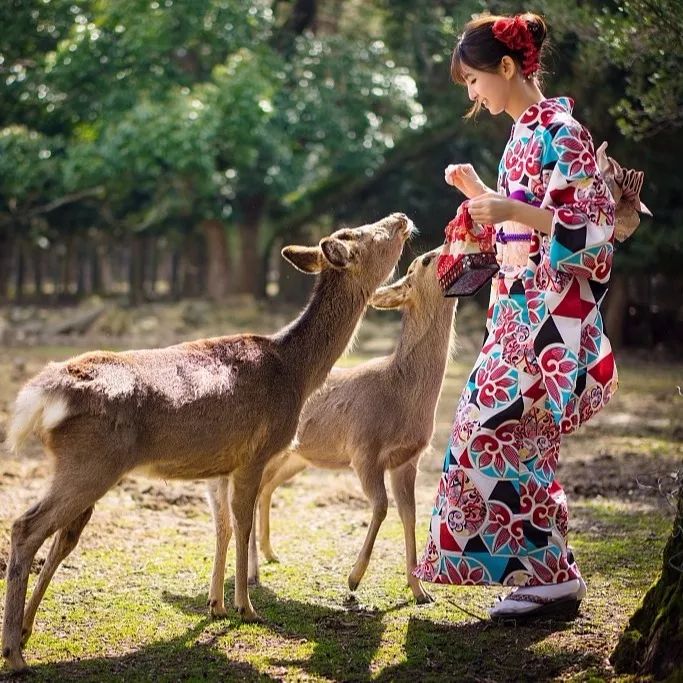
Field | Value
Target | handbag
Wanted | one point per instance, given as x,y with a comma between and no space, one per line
468,258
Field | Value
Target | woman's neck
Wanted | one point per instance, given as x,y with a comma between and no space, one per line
523,97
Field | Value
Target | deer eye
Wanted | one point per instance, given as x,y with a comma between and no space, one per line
426,260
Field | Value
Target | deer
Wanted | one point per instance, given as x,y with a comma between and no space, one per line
374,417
216,407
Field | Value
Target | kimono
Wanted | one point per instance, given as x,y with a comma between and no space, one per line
546,367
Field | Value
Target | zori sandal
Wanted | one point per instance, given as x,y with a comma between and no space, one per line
565,608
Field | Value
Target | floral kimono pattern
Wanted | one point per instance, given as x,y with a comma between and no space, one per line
500,515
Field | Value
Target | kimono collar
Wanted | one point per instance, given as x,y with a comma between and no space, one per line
542,112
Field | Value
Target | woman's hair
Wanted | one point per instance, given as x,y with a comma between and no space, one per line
486,39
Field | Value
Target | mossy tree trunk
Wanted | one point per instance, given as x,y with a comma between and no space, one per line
652,643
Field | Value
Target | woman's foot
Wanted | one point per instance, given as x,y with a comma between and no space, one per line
556,600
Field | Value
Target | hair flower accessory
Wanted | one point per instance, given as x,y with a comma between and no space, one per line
514,33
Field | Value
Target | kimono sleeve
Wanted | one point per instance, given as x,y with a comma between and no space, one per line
582,235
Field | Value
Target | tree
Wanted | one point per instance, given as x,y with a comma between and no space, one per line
652,643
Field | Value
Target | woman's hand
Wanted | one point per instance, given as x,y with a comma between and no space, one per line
464,178
492,207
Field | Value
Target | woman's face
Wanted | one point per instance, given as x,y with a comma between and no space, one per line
491,90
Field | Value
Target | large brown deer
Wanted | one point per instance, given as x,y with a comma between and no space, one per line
209,408
374,417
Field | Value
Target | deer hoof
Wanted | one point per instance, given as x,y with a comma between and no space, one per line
272,557
253,581
353,582
424,599
249,615
216,610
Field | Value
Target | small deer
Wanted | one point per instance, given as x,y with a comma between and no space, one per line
374,417
219,407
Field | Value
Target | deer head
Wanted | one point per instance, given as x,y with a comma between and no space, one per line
418,288
368,253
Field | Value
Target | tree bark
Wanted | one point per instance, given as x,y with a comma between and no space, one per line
6,251
136,266
174,285
20,273
38,261
67,270
83,282
95,268
617,305
192,263
250,237
218,257
652,644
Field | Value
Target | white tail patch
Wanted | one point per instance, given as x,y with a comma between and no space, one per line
34,410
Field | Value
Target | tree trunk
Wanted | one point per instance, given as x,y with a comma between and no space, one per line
67,268
152,268
136,271
192,261
652,644
38,261
174,285
6,251
83,283
95,268
617,305
218,257
250,238
20,273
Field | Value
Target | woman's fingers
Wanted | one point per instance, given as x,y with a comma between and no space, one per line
456,174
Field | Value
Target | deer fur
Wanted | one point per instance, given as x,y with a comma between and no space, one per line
375,417
218,407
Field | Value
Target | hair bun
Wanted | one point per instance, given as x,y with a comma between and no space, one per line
537,28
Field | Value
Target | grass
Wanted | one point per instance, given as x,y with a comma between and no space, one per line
129,603
139,611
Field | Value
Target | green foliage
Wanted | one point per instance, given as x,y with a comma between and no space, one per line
180,110
645,39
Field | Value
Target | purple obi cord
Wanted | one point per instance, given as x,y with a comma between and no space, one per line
513,237
520,196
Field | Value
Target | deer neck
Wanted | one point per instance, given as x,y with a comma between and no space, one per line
424,347
312,343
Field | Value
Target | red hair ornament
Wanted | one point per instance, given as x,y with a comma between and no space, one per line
467,261
514,33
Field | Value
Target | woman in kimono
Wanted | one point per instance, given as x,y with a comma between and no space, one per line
500,515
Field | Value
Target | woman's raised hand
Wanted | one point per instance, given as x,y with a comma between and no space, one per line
464,178
491,208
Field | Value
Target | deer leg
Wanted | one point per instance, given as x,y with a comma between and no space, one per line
217,490
253,575
277,472
244,486
65,541
372,481
403,487
67,499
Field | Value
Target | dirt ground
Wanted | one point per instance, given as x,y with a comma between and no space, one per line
627,457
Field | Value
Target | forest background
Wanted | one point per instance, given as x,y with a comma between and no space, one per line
165,149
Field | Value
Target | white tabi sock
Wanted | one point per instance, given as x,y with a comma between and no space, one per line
554,591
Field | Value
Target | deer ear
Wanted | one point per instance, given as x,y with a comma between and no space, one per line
391,296
306,259
336,252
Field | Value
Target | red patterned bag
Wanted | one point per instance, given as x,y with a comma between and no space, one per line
468,258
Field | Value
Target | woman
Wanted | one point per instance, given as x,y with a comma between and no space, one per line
500,515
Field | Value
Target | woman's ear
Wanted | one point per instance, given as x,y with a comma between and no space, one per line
508,67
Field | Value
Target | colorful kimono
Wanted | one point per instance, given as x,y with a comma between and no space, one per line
500,515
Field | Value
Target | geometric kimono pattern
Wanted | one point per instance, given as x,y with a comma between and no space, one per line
500,515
